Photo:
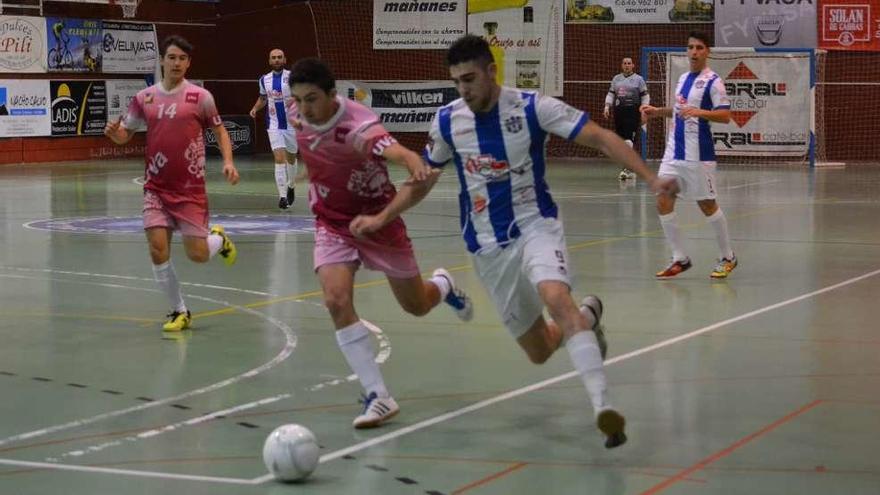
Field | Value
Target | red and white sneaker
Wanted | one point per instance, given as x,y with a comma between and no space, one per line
674,268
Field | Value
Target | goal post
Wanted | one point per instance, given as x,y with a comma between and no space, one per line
776,103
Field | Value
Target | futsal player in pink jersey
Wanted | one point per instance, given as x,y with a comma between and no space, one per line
345,149
176,113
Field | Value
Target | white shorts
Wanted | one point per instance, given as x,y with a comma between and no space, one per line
696,180
282,139
511,275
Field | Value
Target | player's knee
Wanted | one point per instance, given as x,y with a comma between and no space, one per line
159,254
198,256
709,207
539,356
337,302
415,308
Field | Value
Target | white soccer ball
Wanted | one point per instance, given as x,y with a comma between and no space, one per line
291,452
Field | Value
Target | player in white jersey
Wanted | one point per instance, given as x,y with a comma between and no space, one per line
626,94
275,93
495,136
700,99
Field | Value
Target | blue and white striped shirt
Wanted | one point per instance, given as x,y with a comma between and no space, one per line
276,88
500,160
691,139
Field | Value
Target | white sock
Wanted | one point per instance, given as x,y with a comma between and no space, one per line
442,284
292,170
719,223
215,243
583,349
167,280
281,179
355,344
673,235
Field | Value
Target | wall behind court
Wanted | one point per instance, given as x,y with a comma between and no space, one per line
233,39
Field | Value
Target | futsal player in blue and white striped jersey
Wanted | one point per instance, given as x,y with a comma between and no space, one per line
275,97
700,99
495,136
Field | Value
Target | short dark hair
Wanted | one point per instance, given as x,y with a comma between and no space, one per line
699,35
312,71
469,48
178,41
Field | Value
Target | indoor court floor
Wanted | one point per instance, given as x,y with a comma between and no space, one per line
765,383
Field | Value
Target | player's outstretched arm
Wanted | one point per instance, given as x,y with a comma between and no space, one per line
650,112
118,133
409,195
720,115
397,153
225,144
258,105
615,148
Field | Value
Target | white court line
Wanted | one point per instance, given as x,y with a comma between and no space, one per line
170,427
129,277
127,472
289,345
460,412
531,388
758,183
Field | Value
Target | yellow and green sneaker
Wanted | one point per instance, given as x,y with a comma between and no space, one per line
227,251
724,267
178,321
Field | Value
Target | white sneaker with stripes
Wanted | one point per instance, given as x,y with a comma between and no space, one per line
377,410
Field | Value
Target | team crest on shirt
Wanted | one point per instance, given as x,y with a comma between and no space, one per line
513,124
148,98
699,84
192,97
487,167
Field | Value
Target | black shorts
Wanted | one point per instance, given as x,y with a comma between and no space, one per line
627,122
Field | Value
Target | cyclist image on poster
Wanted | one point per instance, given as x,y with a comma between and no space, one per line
74,44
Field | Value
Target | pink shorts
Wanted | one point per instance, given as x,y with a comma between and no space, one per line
396,260
191,219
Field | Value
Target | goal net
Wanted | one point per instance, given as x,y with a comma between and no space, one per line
776,104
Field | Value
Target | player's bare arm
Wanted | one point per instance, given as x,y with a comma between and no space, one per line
615,148
118,133
261,102
229,170
398,153
409,195
720,115
650,112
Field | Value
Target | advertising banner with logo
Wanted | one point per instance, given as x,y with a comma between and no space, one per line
401,107
73,45
24,108
849,25
639,11
760,23
120,92
78,107
769,101
22,44
129,47
417,24
241,133
526,41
